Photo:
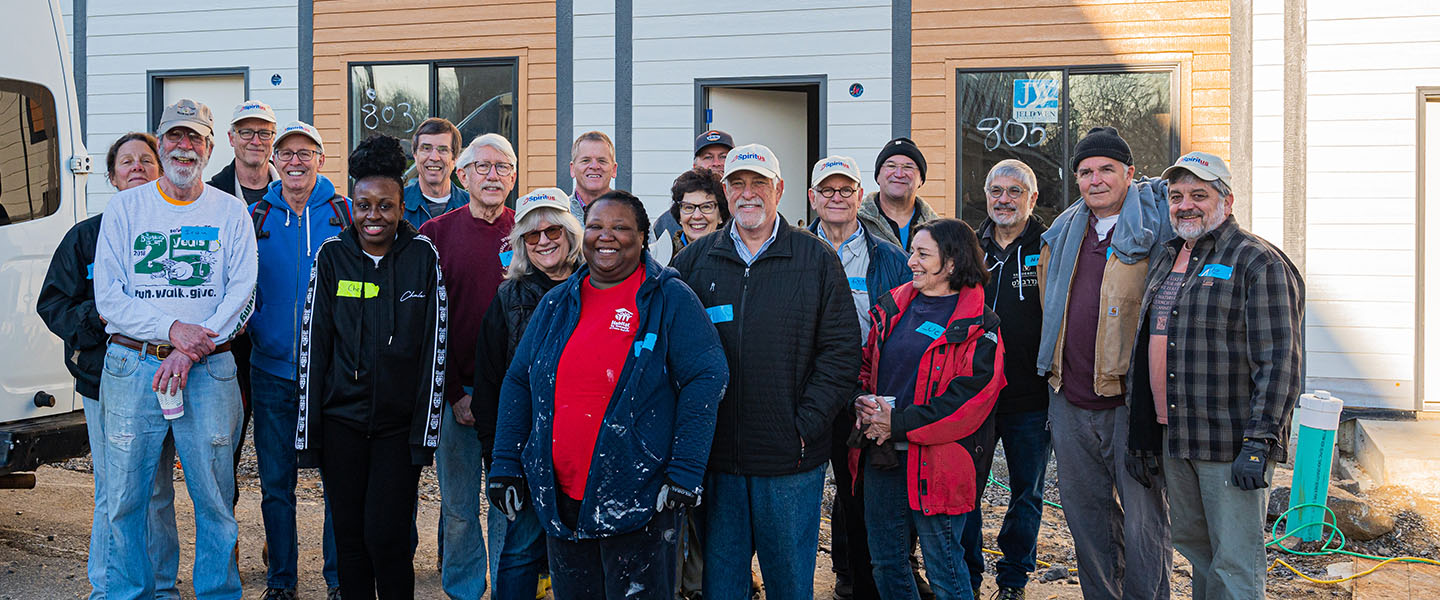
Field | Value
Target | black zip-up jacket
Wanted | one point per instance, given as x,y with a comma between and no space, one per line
372,344
789,329
1014,294
67,305
500,334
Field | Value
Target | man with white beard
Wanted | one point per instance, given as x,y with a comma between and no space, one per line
1215,376
175,270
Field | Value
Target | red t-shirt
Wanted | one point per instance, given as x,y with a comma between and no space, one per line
588,374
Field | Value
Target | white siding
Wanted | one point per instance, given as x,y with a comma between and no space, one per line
125,40
676,43
1360,230
594,95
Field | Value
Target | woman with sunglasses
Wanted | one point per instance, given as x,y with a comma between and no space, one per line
550,237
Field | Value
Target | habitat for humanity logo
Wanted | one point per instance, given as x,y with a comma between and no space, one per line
622,319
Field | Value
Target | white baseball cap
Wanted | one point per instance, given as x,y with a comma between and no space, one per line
252,109
834,165
300,128
755,158
541,198
1207,167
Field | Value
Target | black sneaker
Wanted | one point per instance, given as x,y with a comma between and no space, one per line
333,594
279,594
1010,593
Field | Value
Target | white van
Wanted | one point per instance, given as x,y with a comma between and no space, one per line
43,170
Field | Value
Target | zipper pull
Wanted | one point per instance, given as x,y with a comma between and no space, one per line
390,341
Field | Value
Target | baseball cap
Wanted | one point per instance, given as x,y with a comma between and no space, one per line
834,165
252,109
755,158
540,198
187,113
300,128
712,137
1207,167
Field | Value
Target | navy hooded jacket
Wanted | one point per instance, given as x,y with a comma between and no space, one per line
660,420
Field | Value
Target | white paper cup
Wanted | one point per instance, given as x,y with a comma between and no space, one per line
172,406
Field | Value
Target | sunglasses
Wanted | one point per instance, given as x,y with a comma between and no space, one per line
552,232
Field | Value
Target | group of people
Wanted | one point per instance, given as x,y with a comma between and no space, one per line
647,407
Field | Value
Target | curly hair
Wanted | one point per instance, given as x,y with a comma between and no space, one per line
699,180
378,156
642,219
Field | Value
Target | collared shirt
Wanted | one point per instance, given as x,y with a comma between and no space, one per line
1233,345
744,251
855,257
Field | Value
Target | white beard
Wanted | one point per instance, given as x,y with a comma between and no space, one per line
183,176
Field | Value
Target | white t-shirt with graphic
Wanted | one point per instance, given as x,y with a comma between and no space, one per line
158,262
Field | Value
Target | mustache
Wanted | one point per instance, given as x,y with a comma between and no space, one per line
186,154
1185,214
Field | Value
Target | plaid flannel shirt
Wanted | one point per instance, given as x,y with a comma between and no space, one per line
1233,349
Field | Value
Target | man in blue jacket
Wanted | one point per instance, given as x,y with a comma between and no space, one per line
298,213
435,145
873,267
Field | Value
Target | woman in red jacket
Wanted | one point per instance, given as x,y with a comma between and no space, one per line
931,373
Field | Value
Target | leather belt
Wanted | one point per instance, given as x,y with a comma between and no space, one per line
160,351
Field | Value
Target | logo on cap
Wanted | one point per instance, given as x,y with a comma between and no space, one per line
1195,159
834,163
712,137
185,109
538,198
748,156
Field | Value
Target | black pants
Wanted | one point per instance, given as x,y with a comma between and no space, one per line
640,564
372,488
850,548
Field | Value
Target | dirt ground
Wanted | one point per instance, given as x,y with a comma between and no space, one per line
44,535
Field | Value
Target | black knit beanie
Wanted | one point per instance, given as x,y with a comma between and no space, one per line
904,147
1102,141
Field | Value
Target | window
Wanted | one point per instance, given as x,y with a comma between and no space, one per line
394,98
1037,116
29,156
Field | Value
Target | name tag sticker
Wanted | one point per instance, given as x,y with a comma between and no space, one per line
1217,271
931,330
90,271
857,284
1109,252
199,234
724,313
647,344
505,258
1034,260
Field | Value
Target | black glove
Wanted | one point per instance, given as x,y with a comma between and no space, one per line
507,495
1142,465
1248,470
673,495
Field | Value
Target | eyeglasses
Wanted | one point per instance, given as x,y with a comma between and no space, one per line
303,155
844,192
175,135
429,148
894,166
707,208
501,168
1014,192
249,134
552,233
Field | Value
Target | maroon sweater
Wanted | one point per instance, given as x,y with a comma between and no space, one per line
473,257
1082,317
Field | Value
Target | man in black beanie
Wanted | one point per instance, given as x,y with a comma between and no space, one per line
1093,263
893,211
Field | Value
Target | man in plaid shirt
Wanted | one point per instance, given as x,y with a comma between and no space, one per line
1215,376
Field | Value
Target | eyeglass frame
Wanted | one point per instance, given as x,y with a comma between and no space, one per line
841,191
693,208
494,166
552,233
280,155
265,134
1013,192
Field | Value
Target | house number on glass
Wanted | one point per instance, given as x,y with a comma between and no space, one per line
374,113
997,131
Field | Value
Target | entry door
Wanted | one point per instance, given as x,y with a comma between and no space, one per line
780,120
222,93
1430,323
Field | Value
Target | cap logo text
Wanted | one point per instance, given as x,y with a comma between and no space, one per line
748,156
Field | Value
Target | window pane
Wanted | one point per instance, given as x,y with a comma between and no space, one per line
479,99
388,99
29,157
1136,104
1013,114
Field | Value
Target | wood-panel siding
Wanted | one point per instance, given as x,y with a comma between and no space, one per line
379,30
997,34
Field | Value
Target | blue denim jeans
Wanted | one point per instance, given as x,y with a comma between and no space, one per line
1027,453
164,541
462,483
776,519
888,523
275,402
517,554
135,439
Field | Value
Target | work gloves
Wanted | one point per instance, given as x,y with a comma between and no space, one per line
1142,465
1248,470
507,495
673,495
